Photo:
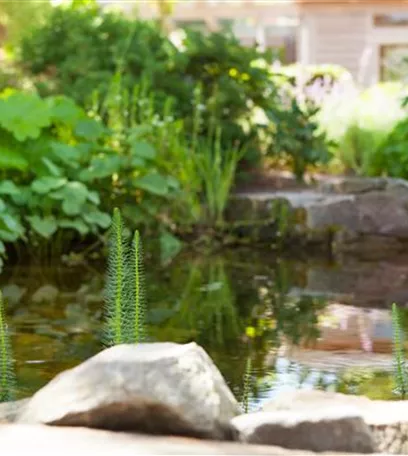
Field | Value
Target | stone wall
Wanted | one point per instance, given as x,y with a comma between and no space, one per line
365,217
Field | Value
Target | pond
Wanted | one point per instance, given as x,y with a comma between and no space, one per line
305,323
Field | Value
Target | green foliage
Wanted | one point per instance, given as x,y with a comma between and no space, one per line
392,157
359,125
400,373
7,375
125,287
296,135
137,301
247,385
115,292
63,171
95,46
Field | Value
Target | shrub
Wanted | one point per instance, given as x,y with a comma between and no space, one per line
360,122
63,171
296,134
95,45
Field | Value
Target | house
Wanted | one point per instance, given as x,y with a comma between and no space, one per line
368,37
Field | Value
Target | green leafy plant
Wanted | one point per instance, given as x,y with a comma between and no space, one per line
247,385
296,135
115,290
400,373
357,123
125,287
7,374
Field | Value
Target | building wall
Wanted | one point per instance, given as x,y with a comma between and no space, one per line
348,36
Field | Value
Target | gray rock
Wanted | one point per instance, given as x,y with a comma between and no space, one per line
10,411
388,420
353,185
181,376
49,441
337,429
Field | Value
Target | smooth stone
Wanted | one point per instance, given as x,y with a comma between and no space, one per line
337,429
182,376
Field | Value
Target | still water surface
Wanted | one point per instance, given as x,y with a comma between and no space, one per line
304,324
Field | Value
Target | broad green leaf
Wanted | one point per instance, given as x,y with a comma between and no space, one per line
11,223
69,155
9,236
173,183
170,246
97,218
12,159
153,183
45,227
2,205
143,149
75,195
76,224
23,197
89,129
51,167
8,187
46,184
93,197
137,162
24,115
64,110
2,248
101,167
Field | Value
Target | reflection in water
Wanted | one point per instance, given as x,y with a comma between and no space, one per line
240,306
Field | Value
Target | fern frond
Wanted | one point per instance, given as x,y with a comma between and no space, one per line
400,375
115,288
7,374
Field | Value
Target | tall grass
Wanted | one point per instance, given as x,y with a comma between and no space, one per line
7,374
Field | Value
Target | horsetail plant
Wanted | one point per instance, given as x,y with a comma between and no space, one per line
400,374
115,293
7,374
124,291
138,289
247,385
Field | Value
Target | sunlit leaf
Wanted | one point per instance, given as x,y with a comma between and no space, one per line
153,183
143,149
46,184
89,129
97,218
74,224
8,187
24,115
45,227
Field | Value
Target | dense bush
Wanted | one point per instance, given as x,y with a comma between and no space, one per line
295,134
360,122
63,171
93,46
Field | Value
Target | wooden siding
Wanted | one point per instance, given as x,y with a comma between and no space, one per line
339,39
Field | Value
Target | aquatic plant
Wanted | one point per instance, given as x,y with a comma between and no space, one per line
115,293
124,289
400,373
247,385
137,283
7,374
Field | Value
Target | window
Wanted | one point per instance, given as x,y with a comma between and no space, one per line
391,20
394,62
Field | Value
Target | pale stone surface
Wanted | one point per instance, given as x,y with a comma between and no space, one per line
50,441
179,375
388,420
337,429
